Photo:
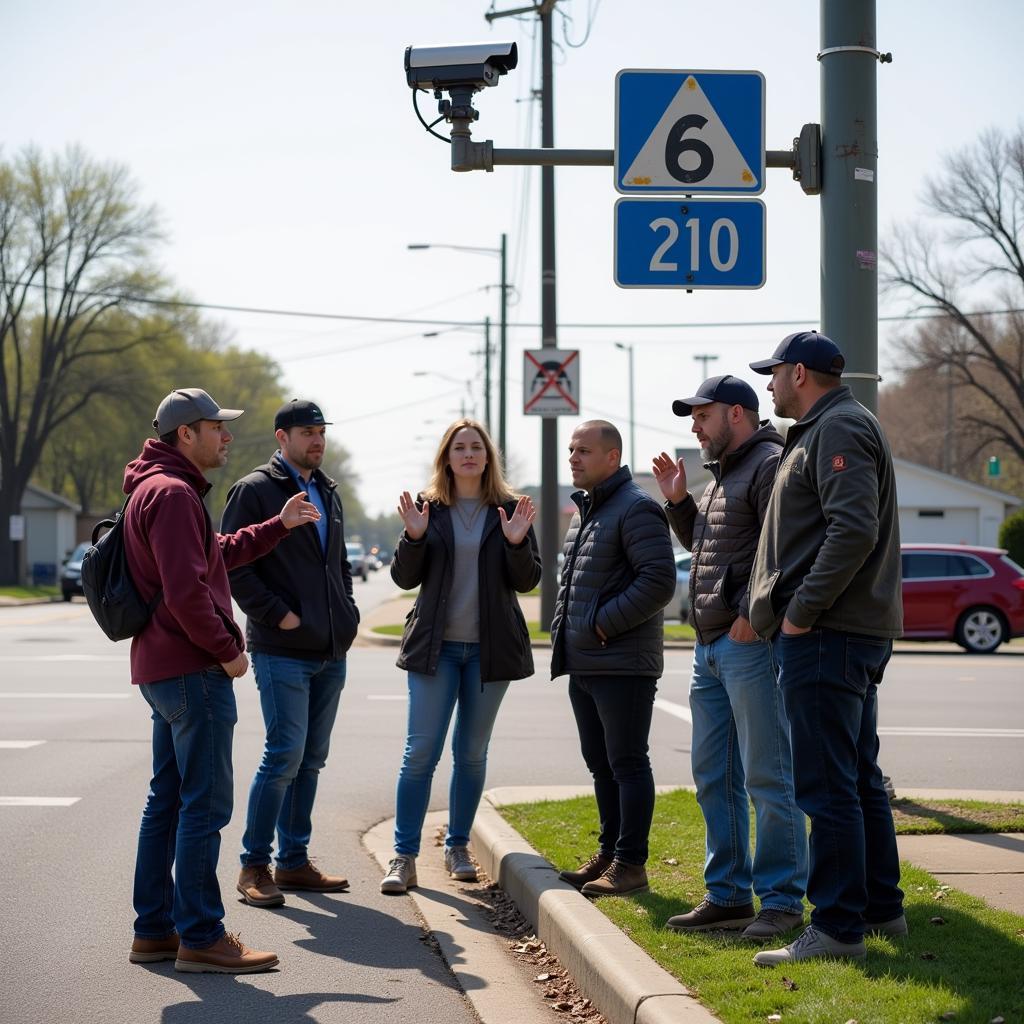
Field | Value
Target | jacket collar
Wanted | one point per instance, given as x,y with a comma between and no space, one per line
588,504
765,432
280,471
833,397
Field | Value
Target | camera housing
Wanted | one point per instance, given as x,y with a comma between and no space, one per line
467,65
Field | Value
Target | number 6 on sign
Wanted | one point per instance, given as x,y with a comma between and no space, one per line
689,243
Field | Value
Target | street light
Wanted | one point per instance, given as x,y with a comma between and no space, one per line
453,380
628,349
502,253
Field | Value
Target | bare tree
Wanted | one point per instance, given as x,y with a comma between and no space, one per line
975,259
74,243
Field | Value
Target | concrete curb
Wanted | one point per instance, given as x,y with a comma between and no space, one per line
21,602
622,981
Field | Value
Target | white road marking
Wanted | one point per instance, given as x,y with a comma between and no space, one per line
20,744
939,730
62,657
387,696
671,708
38,801
64,696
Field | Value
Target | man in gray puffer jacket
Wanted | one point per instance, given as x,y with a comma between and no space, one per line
608,634
740,742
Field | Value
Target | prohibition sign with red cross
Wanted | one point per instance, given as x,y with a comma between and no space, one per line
551,382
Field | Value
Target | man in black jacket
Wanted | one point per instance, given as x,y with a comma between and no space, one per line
740,740
608,634
301,622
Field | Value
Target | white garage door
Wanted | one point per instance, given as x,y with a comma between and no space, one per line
954,526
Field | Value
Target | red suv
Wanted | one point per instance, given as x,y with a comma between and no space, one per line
974,596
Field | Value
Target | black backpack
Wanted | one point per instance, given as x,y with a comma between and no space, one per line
108,586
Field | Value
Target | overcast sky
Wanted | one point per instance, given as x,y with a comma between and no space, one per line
280,144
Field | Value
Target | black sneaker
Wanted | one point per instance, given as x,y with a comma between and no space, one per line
770,924
709,917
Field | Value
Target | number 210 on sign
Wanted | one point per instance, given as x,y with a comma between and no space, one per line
689,243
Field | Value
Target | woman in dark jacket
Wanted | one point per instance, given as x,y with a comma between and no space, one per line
468,544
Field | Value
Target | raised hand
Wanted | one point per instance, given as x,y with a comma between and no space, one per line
297,511
516,528
671,477
415,520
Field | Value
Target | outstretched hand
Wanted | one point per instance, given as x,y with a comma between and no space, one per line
415,520
516,528
298,511
671,477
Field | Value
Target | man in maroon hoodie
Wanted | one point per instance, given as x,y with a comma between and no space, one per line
183,662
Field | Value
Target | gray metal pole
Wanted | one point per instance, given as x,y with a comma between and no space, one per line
632,414
549,538
487,374
503,347
849,194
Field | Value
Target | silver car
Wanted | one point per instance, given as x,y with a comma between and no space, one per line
681,602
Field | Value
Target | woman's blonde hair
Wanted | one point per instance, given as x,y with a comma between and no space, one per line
493,488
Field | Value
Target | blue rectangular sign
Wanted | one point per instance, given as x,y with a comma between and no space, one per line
695,132
689,243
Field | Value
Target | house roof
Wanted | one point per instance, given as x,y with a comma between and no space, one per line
55,499
955,481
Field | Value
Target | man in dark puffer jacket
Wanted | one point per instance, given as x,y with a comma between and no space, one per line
608,634
740,740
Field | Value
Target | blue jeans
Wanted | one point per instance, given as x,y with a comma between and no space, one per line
740,747
299,699
190,798
613,718
829,683
432,699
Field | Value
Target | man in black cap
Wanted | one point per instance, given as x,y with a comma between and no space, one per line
826,590
301,622
740,740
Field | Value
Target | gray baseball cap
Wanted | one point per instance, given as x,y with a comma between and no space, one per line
186,405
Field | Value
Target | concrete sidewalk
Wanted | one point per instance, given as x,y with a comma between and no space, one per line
627,985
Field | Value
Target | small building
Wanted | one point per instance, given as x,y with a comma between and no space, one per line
937,508
50,534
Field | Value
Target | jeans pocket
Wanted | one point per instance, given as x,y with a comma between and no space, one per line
168,698
864,661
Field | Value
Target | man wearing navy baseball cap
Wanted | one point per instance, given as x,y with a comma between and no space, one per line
740,741
301,621
826,591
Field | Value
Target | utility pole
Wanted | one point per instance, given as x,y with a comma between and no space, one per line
503,349
704,360
487,373
628,349
849,193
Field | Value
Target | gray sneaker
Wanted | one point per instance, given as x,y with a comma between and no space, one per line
770,924
458,864
401,874
894,929
810,945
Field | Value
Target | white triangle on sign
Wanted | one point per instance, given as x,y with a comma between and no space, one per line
729,170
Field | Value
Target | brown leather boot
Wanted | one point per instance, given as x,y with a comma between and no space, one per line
588,872
621,879
256,885
308,878
152,951
227,955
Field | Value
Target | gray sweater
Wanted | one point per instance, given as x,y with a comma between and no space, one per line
829,553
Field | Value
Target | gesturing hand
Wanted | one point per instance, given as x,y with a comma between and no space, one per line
516,528
414,519
671,477
298,511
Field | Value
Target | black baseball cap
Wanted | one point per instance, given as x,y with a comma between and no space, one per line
299,413
816,351
726,389
187,405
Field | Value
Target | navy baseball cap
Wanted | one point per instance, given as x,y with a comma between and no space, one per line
726,389
816,351
299,413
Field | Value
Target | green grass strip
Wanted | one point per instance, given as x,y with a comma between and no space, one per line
970,966
24,592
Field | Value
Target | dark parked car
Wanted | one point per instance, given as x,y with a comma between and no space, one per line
71,573
972,595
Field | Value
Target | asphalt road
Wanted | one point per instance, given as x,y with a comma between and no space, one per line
70,805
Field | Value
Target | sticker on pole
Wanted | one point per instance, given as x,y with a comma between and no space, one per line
689,131
551,382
